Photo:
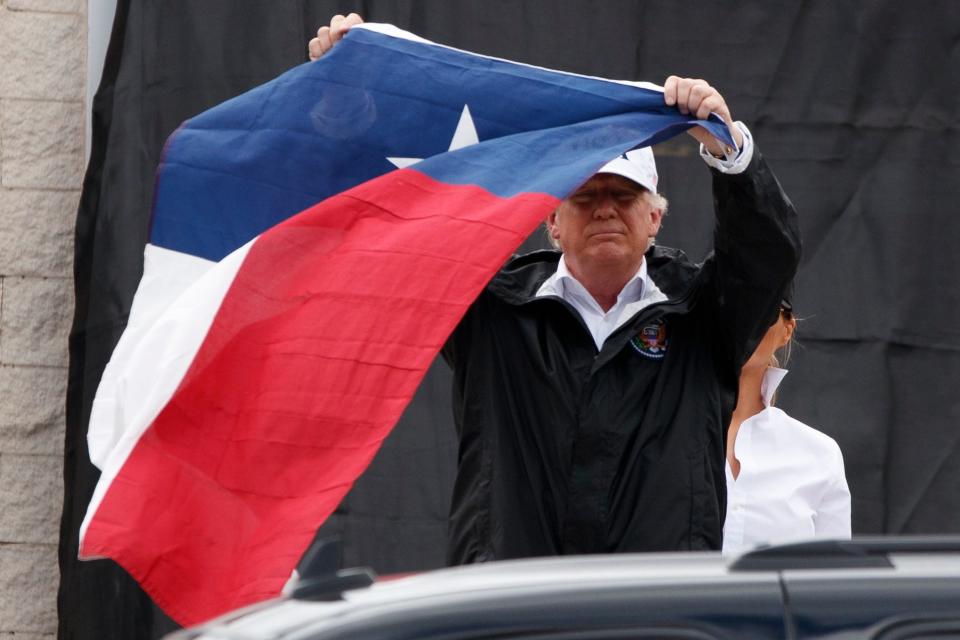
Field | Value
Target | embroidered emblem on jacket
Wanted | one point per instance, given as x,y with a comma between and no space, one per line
652,340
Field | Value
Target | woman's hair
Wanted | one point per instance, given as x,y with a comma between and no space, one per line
781,356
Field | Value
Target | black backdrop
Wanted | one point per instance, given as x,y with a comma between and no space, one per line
854,104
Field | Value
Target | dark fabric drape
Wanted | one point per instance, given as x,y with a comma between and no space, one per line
854,105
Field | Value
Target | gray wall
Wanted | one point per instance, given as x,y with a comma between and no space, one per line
42,92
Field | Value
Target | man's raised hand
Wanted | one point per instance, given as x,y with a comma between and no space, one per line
327,36
696,97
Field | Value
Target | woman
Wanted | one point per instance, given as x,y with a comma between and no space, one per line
785,480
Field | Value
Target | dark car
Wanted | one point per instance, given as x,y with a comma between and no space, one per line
884,588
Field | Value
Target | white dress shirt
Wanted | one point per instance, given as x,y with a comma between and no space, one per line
791,484
737,159
640,291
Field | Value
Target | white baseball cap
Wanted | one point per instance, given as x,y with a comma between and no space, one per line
636,165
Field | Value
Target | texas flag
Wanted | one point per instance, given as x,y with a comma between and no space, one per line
314,242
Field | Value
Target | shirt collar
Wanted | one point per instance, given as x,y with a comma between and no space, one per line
564,284
772,378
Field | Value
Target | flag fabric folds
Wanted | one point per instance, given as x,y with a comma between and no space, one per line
314,242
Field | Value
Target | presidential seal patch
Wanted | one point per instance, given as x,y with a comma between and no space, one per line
652,341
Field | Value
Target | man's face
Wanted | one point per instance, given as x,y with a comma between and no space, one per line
608,221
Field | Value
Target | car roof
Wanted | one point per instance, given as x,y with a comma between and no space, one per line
513,580
509,578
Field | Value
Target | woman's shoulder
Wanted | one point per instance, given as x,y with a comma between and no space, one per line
803,434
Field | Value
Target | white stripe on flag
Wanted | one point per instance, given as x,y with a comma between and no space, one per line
166,275
149,369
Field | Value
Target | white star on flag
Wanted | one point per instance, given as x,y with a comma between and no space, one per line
464,136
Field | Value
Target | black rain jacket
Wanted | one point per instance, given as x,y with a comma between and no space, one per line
564,449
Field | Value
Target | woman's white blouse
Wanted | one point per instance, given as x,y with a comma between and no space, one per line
791,484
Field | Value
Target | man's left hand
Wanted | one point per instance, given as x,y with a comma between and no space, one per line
696,97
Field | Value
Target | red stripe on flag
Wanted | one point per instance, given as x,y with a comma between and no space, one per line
318,347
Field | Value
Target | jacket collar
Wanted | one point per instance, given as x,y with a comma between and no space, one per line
565,285
522,276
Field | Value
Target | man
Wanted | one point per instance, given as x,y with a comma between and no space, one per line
592,387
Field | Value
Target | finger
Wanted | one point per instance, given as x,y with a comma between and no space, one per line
712,104
684,86
699,92
351,20
323,36
314,48
699,89
719,106
336,28
342,26
695,97
706,105
670,91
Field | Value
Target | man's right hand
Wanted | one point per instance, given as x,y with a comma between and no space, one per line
329,36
